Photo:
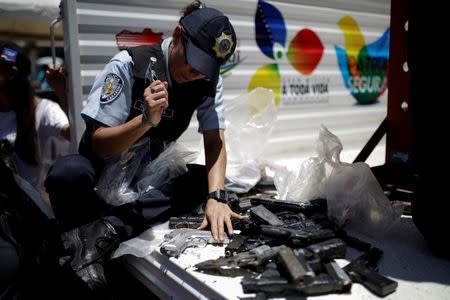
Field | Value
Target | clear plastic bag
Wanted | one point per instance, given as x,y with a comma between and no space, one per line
356,199
169,164
249,122
127,179
113,185
307,185
309,182
354,196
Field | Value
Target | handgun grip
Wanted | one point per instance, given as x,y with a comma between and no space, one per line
265,285
175,244
295,265
265,216
235,246
375,282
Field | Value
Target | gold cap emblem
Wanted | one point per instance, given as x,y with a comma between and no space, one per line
223,45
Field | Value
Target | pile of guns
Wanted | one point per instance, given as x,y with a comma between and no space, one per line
284,247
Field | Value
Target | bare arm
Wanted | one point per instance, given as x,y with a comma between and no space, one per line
216,213
65,132
215,158
56,79
113,140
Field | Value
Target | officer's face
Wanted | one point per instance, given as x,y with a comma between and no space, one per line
180,70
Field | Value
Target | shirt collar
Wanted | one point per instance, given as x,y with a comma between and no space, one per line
165,49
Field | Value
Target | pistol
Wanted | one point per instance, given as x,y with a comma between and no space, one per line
180,239
307,208
320,253
253,258
363,270
297,269
236,245
296,237
334,280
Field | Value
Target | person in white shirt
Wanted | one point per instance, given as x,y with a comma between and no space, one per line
38,129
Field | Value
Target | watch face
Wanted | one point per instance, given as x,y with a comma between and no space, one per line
219,195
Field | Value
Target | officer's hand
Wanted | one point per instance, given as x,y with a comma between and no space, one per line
156,100
217,214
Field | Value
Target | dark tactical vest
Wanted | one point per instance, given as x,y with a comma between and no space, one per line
183,101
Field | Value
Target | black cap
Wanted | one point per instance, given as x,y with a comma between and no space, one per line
211,40
11,53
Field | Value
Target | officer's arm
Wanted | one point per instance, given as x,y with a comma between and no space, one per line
113,140
217,214
112,134
215,158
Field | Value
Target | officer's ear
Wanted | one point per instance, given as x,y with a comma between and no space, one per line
177,35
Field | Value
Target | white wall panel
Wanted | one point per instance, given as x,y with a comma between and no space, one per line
298,124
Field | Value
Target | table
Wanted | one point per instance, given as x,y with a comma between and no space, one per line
407,259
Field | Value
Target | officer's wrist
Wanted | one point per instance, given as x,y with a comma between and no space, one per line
146,119
219,195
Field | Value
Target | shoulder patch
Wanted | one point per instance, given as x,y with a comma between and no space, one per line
111,88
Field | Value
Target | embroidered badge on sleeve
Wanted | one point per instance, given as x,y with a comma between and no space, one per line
111,88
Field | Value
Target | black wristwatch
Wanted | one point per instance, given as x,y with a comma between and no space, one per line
219,195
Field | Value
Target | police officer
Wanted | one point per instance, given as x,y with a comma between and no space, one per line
151,92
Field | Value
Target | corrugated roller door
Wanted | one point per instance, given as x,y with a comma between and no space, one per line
325,59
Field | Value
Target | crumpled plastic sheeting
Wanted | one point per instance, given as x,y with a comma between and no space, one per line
354,197
116,183
169,164
113,185
307,185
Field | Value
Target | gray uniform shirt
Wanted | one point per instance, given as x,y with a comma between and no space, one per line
109,101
